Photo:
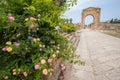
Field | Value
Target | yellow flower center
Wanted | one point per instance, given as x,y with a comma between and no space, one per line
45,72
9,49
43,61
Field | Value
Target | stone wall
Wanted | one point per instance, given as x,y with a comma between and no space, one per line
110,26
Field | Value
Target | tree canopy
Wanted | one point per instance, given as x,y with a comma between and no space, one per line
50,10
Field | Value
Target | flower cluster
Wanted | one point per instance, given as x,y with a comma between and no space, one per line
16,71
45,64
31,19
9,46
32,23
36,39
32,54
63,67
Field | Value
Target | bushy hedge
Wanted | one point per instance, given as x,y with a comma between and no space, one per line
29,42
24,47
68,27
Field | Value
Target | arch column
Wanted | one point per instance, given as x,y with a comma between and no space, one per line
83,20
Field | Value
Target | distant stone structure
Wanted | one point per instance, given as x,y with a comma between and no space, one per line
110,26
95,12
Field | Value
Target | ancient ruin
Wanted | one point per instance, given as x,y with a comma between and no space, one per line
95,12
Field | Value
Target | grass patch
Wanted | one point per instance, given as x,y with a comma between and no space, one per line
112,33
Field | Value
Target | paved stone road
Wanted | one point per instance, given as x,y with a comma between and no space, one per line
101,53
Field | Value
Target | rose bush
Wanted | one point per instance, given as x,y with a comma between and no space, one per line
32,57
29,43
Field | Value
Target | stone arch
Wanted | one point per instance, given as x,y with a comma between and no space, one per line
92,18
95,12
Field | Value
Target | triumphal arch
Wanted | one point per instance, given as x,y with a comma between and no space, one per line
95,12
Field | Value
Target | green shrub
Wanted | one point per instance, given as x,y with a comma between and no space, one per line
68,27
22,49
29,39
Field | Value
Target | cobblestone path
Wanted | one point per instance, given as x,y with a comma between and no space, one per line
101,53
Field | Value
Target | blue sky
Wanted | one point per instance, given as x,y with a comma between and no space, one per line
109,9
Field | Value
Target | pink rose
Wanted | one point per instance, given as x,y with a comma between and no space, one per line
63,68
32,18
25,74
32,26
36,67
49,60
62,65
3,49
11,18
40,49
17,44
